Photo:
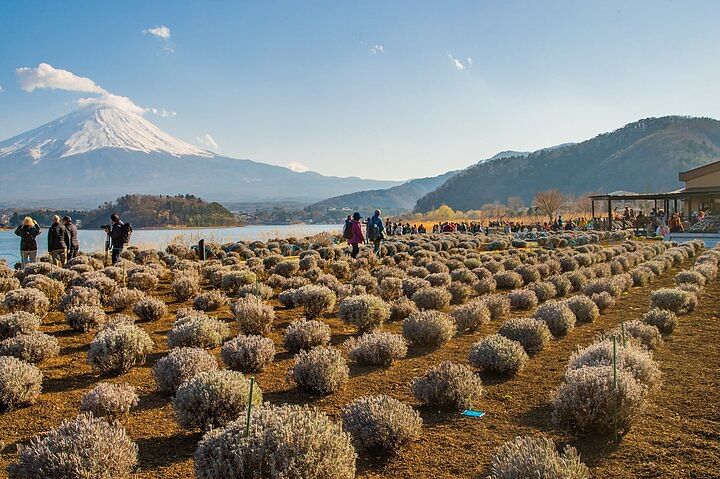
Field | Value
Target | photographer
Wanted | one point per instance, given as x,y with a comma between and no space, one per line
118,234
71,238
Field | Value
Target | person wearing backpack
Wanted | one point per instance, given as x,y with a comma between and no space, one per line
357,236
119,233
376,231
347,228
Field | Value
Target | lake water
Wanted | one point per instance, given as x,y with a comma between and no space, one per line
94,240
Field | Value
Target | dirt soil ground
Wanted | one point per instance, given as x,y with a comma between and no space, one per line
678,437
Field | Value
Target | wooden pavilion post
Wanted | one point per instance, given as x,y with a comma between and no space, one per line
610,215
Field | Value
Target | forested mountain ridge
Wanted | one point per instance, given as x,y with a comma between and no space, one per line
646,155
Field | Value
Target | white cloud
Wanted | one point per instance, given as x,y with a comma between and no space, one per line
297,167
116,101
47,76
208,141
458,64
377,49
1,89
162,112
161,31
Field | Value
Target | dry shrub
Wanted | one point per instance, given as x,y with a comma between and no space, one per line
315,300
20,383
253,315
322,370
448,386
80,296
429,328
258,289
180,365
523,299
577,279
544,290
497,304
287,268
248,353
459,292
588,400
381,423
19,322
602,285
124,298
112,401
185,287
438,279
432,298
8,284
631,358
640,333
306,335
485,286
117,349
641,276
603,300
584,308
365,312
498,354
33,347
663,319
85,318
673,299
197,331
376,349
530,332
213,398
537,458
143,281
410,285
470,316
402,308
529,274
287,298
558,316
562,285
508,280
284,442
232,281
30,300
85,447
150,309
53,289
210,301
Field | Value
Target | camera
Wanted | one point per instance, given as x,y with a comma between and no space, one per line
106,227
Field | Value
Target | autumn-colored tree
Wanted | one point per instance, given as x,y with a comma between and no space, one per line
515,204
548,202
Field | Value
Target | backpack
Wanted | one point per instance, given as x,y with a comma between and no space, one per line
347,230
125,232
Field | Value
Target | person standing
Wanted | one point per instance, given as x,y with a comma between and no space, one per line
357,235
28,231
119,233
71,238
57,247
376,231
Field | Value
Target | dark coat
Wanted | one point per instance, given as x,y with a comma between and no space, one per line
56,237
27,236
71,235
117,238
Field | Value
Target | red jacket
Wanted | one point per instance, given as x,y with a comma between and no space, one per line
357,236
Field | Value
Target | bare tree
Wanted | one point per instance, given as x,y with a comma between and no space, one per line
515,204
495,210
548,202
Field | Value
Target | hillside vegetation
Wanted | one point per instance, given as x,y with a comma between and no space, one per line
145,211
642,156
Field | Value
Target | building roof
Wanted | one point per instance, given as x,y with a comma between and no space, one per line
700,171
670,195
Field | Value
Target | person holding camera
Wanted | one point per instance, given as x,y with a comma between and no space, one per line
28,231
57,247
71,238
118,236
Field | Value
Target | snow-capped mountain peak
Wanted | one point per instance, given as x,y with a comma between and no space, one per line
93,128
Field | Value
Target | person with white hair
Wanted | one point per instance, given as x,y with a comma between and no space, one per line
28,231
57,247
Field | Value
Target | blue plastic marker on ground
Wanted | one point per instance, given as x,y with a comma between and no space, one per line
472,413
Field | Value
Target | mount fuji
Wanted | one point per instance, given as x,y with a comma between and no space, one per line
101,152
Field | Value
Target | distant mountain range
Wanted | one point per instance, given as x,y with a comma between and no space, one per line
643,156
102,152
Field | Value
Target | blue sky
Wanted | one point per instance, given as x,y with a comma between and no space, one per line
392,89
